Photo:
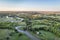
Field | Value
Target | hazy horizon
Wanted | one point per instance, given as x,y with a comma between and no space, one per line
29,5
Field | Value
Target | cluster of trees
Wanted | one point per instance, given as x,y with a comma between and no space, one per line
11,26
54,27
8,25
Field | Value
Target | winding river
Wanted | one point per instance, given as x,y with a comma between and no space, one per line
26,32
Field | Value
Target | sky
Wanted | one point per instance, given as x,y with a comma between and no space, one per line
29,5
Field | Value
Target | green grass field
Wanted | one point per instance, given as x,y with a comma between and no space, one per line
12,35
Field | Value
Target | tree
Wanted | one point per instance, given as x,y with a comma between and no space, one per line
7,38
28,22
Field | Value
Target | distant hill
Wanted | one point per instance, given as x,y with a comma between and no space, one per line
32,12
50,12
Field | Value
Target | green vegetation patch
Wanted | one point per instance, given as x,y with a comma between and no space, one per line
45,35
4,33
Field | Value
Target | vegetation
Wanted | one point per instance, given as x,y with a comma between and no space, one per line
45,27
49,25
8,31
